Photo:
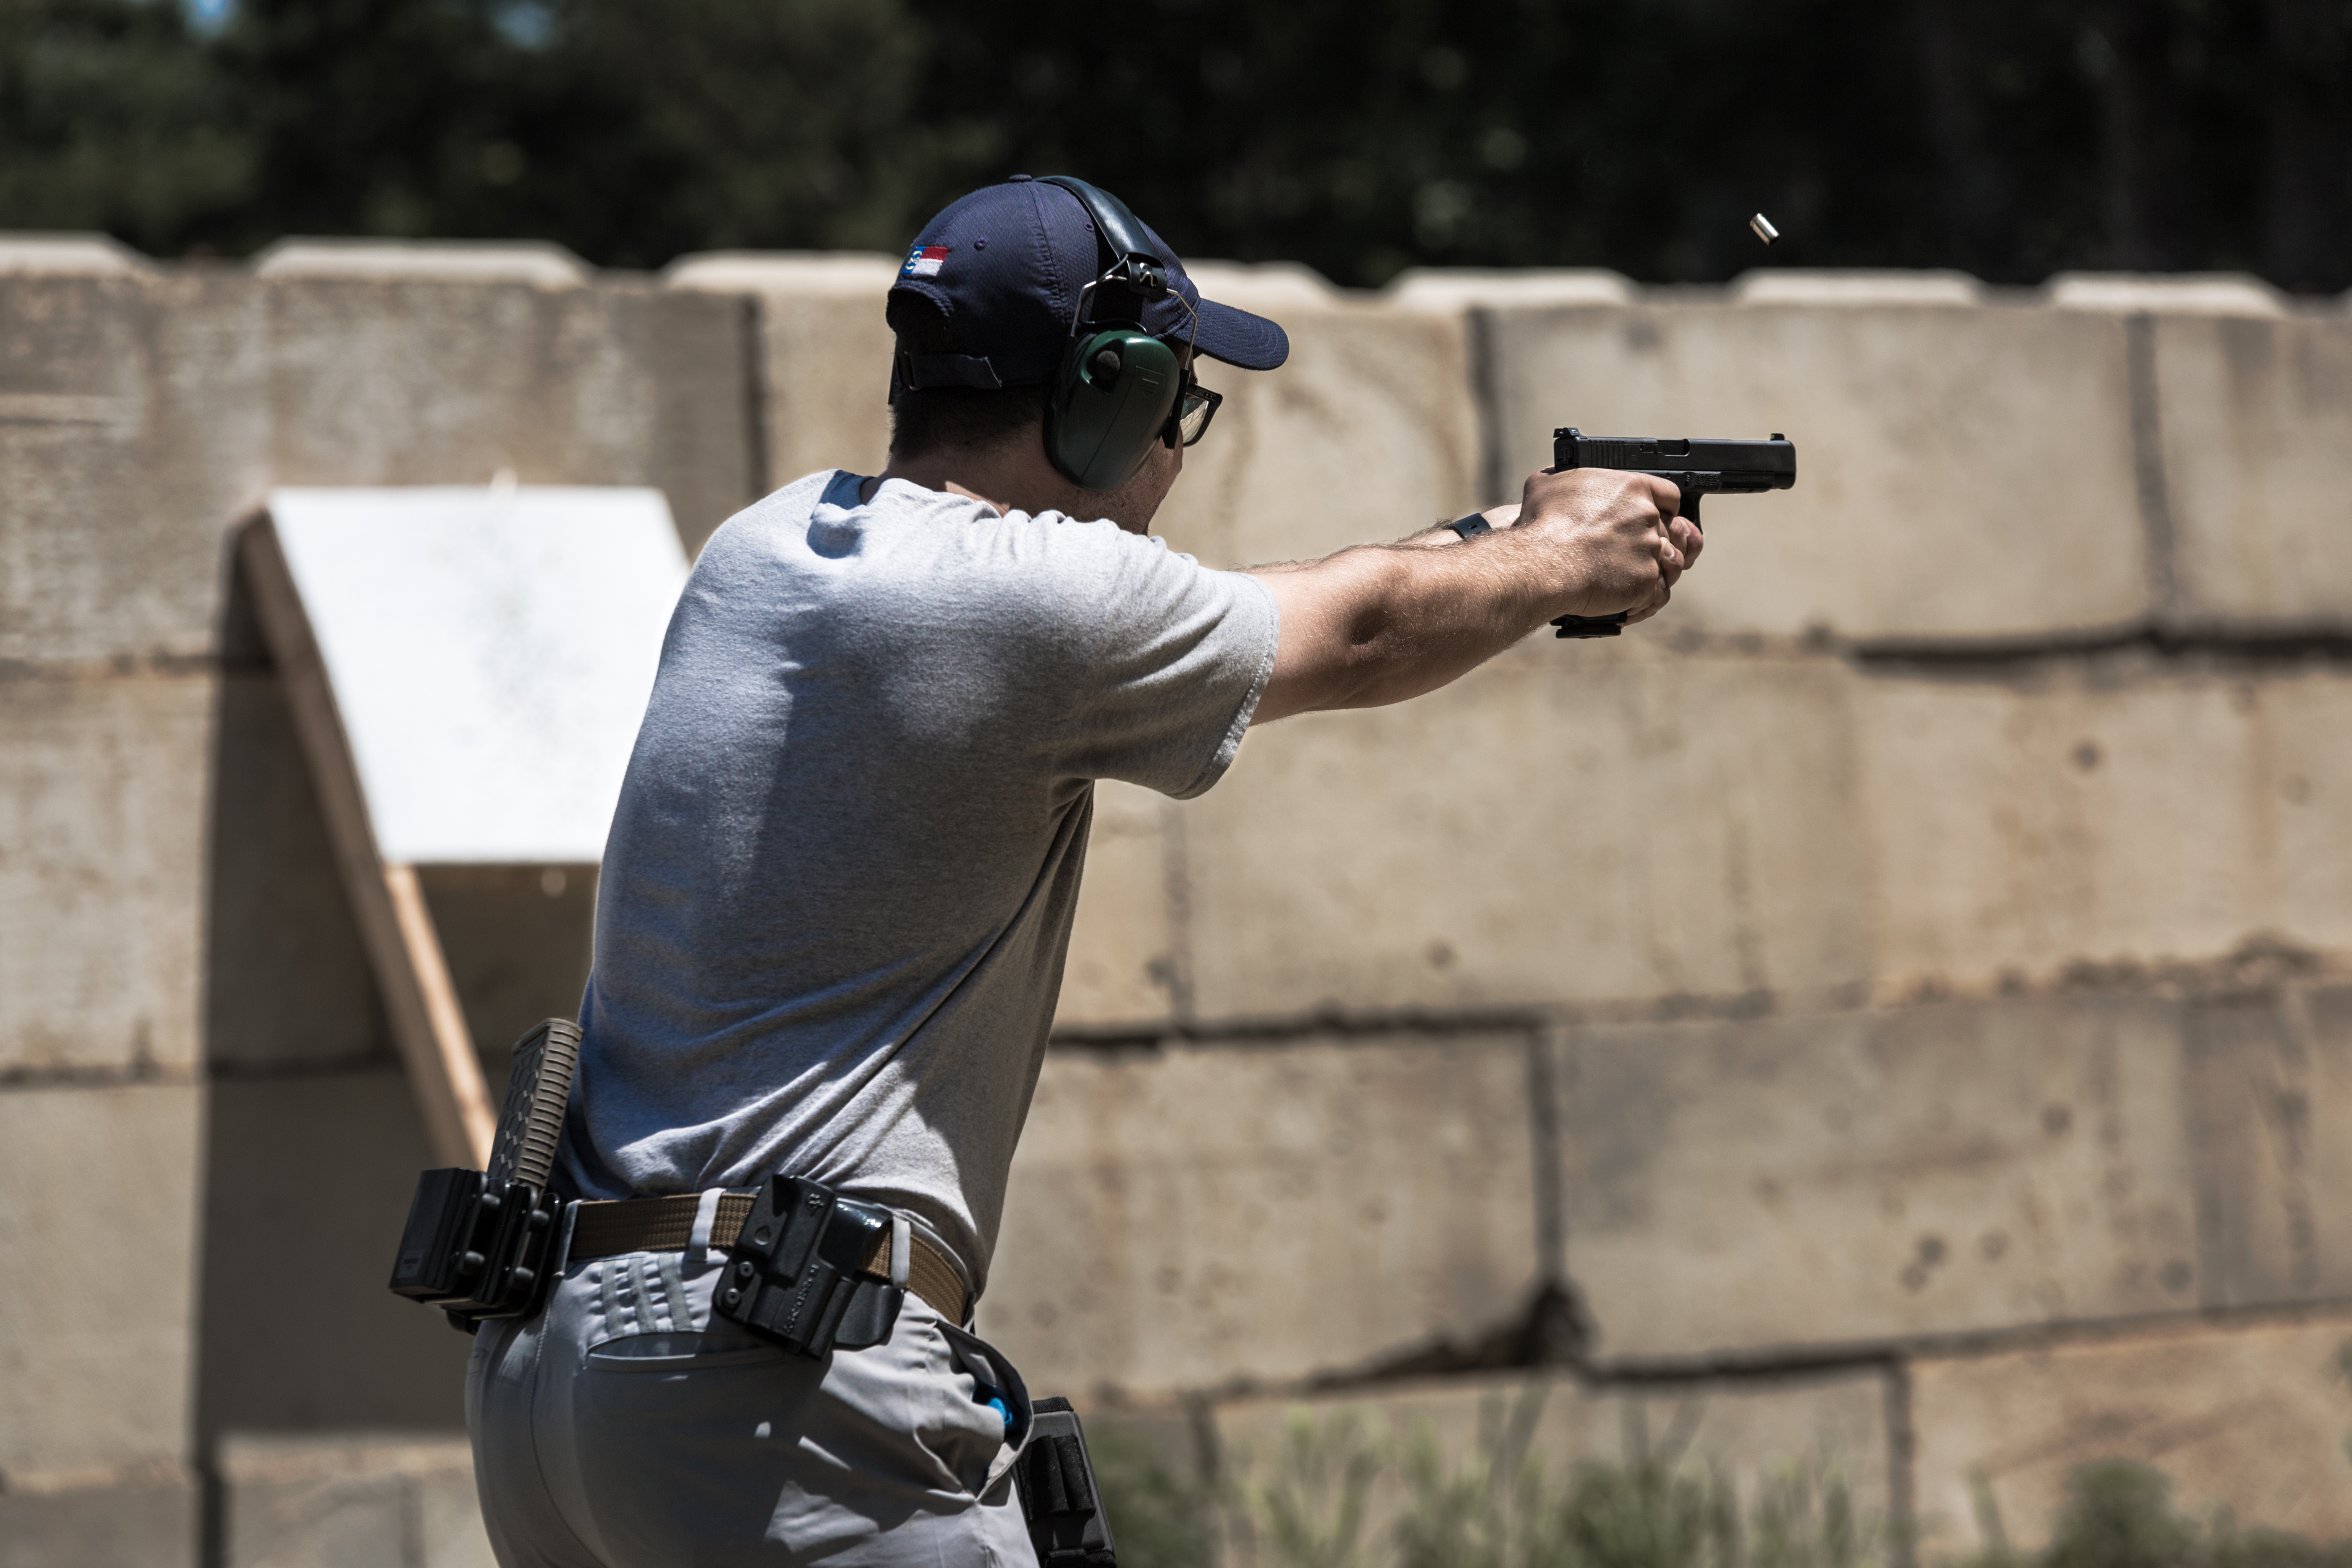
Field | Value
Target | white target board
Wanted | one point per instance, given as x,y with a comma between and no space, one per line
467,669
490,652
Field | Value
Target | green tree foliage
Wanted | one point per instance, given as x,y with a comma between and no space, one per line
112,117
1362,137
375,116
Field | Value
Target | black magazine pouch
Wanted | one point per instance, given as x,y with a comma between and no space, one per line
478,1243
1056,1481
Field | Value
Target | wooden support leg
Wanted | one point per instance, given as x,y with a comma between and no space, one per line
395,927
433,1041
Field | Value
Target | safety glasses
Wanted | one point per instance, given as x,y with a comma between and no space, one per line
1194,409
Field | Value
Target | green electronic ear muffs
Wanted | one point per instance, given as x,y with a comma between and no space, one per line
1118,385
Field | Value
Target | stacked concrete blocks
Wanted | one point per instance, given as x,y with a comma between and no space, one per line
355,1501
1218,1216
2251,1420
1896,1001
196,1090
1922,936
1962,471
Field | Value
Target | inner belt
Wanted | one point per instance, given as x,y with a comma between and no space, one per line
610,1228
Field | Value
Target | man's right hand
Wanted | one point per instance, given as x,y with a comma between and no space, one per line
1615,538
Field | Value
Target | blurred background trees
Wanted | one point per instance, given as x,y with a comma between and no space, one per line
2010,140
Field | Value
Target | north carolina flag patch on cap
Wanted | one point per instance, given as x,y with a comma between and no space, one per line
924,261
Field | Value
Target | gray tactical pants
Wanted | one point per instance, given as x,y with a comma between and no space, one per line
619,1428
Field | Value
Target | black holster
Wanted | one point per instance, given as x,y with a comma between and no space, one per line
1056,1481
797,1273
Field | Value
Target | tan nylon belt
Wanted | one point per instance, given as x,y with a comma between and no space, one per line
608,1229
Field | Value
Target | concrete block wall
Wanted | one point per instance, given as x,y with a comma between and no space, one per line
1871,1007
360,1500
203,1130
1924,951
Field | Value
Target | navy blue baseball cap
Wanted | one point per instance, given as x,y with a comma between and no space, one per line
1006,264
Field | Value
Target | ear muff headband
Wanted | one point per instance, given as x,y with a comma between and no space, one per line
1116,384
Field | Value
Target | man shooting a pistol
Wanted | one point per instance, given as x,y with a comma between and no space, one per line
840,883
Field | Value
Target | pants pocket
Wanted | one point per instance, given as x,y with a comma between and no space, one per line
681,1442
984,1364
878,1455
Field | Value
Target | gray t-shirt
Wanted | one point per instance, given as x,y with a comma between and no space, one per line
839,884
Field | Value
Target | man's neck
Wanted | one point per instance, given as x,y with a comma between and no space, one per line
1009,477
1015,476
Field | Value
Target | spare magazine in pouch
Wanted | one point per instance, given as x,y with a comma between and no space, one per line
477,1243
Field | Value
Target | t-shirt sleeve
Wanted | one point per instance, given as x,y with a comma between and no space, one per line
1177,661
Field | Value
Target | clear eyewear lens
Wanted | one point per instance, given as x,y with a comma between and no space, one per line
1199,407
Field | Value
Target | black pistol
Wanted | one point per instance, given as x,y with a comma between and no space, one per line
1699,469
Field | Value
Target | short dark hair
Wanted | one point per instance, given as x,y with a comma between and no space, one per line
941,418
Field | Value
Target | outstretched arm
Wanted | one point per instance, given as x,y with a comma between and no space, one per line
1381,623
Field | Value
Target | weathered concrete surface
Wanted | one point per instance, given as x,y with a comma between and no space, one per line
1204,1215
1854,288
1746,1434
355,1500
1367,434
2120,811
2256,418
1574,822
1123,971
543,264
2250,1418
1450,288
78,255
102,807
98,1241
286,983
2166,293
518,940
145,1516
1272,288
331,1157
93,560
149,415
375,383
2270,1115
1935,445
1587,824
1735,1186
825,371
